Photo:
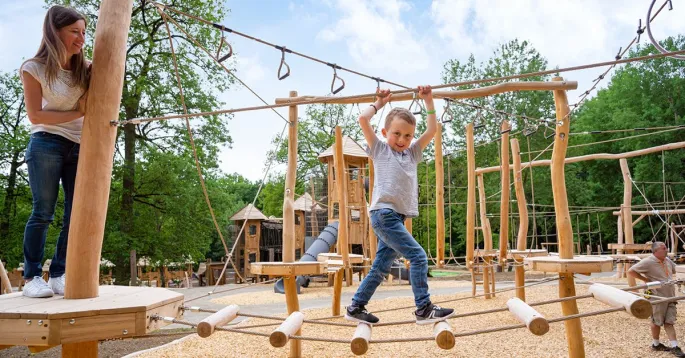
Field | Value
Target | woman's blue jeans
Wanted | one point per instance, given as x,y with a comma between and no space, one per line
394,239
50,159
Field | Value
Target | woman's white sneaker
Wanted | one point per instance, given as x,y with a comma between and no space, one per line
56,284
37,288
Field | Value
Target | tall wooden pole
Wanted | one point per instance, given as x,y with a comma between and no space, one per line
341,188
471,194
619,240
487,233
567,288
626,213
373,241
289,282
94,176
627,203
487,236
439,200
504,205
289,195
521,239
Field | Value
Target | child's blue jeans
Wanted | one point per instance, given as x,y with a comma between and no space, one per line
49,158
394,239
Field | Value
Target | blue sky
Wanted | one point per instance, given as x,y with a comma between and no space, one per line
404,41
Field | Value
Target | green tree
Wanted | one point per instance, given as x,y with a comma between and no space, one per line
150,90
315,134
642,94
14,136
511,58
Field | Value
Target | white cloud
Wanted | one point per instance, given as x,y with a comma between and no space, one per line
250,69
20,30
565,32
376,36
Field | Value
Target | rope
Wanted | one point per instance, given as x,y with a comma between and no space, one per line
476,296
619,56
289,103
426,338
616,139
656,212
230,289
192,140
290,51
229,254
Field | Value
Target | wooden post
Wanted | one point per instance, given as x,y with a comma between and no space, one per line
83,349
133,263
94,176
289,282
626,212
337,292
487,236
627,202
487,233
439,200
289,195
5,283
504,205
340,182
567,288
674,242
409,225
522,237
93,180
373,241
619,240
471,194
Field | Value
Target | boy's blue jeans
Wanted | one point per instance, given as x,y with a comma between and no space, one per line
393,238
50,158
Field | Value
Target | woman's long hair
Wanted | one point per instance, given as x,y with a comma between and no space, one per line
52,52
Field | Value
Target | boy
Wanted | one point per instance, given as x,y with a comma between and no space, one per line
395,197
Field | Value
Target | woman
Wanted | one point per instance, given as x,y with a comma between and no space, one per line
55,83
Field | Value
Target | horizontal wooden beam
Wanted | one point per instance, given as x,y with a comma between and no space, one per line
657,212
597,156
462,94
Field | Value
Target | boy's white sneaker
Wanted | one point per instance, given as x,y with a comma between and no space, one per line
56,284
37,288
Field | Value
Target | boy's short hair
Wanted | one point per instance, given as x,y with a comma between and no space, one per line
401,113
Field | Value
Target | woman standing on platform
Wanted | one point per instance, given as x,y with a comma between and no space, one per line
55,83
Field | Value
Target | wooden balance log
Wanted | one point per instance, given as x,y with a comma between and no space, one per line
207,326
536,323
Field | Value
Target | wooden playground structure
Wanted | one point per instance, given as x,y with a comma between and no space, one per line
89,312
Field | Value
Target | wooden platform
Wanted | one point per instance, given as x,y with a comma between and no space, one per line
633,247
354,258
585,264
522,254
119,311
289,268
